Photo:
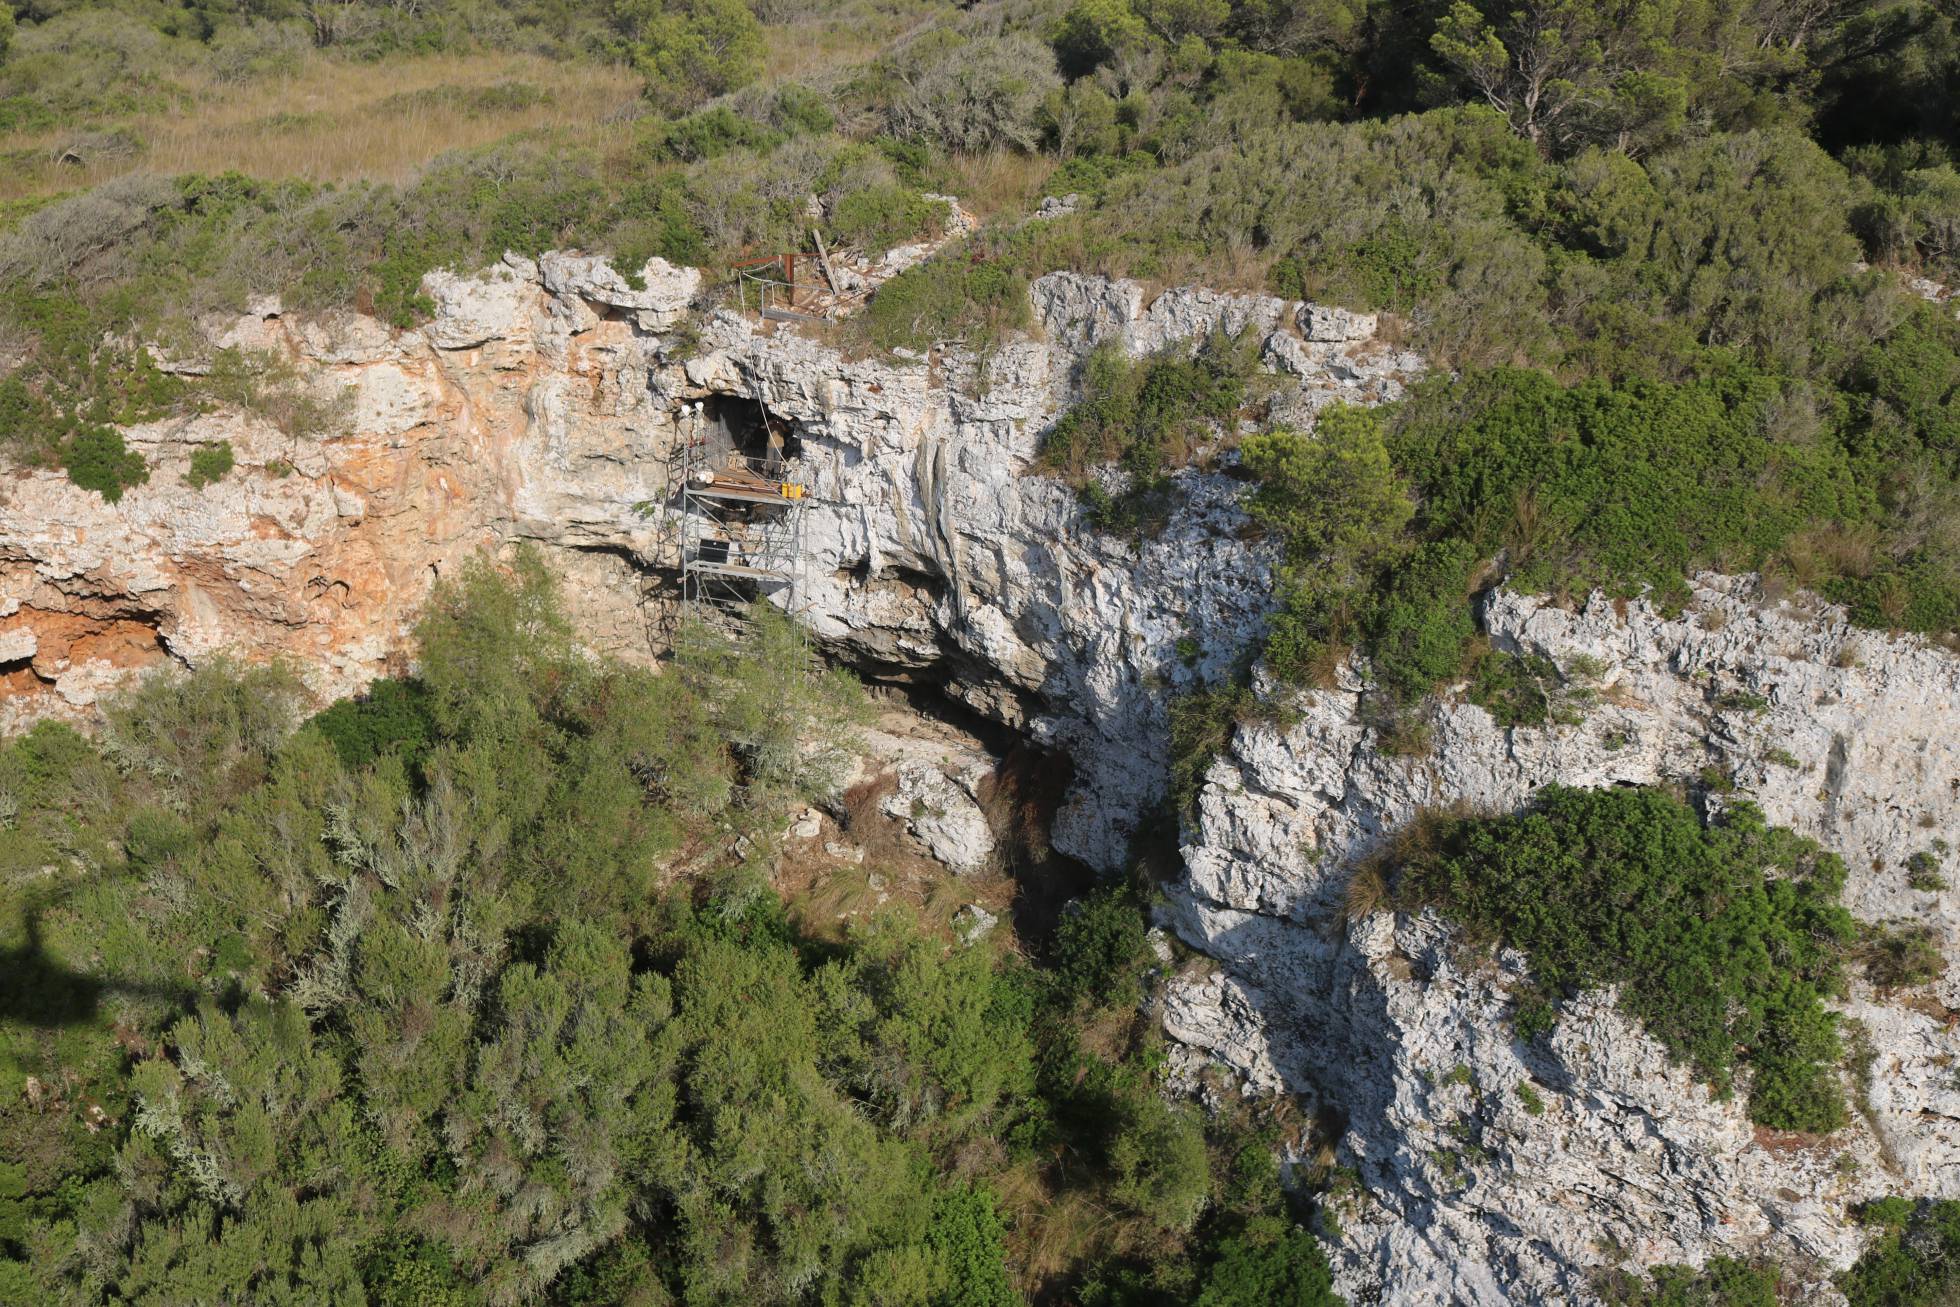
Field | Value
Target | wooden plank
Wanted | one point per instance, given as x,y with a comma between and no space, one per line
738,494
739,569
823,261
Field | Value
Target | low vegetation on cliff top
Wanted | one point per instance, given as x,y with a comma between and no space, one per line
475,991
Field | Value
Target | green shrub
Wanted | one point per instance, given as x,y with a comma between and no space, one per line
1201,725
392,717
1339,508
1723,1282
1333,497
947,298
210,464
881,216
1519,689
1420,621
965,1240
1915,1259
154,835
657,223
271,386
1621,487
1725,939
1156,1157
709,134
1148,415
1923,871
1097,949
1901,954
984,93
199,732
1394,268
1270,1262
689,50
96,459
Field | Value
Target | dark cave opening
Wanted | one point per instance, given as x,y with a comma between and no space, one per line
736,424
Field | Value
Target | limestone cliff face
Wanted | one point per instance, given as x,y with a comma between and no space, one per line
541,404
935,552
519,411
1842,734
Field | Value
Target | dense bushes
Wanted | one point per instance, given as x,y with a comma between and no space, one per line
1148,415
393,716
1724,937
1723,1282
1387,523
689,50
1519,689
1624,487
1268,1263
1915,1259
1338,508
1098,949
409,1005
210,464
978,94
947,299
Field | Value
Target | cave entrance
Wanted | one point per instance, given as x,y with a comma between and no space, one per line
738,426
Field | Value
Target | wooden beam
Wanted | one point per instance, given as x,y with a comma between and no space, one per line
823,261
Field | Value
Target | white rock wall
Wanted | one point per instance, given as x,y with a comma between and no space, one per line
1473,1198
934,549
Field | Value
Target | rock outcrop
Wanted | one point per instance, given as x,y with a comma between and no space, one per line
541,403
1465,1194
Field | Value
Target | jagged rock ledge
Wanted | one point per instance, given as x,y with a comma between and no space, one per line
541,404
1844,735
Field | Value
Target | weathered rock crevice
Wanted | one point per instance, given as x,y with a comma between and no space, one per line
1631,1152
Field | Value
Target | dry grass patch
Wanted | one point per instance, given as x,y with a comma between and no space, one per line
1366,894
999,182
1054,1235
800,50
835,899
826,893
337,121
798,46
1115,1032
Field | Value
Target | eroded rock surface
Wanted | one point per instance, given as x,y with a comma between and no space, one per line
542,403
1842,734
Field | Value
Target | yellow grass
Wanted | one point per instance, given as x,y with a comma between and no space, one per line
1000,181
798,50
340,121
840,38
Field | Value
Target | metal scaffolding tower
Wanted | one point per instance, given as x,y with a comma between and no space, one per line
736,524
